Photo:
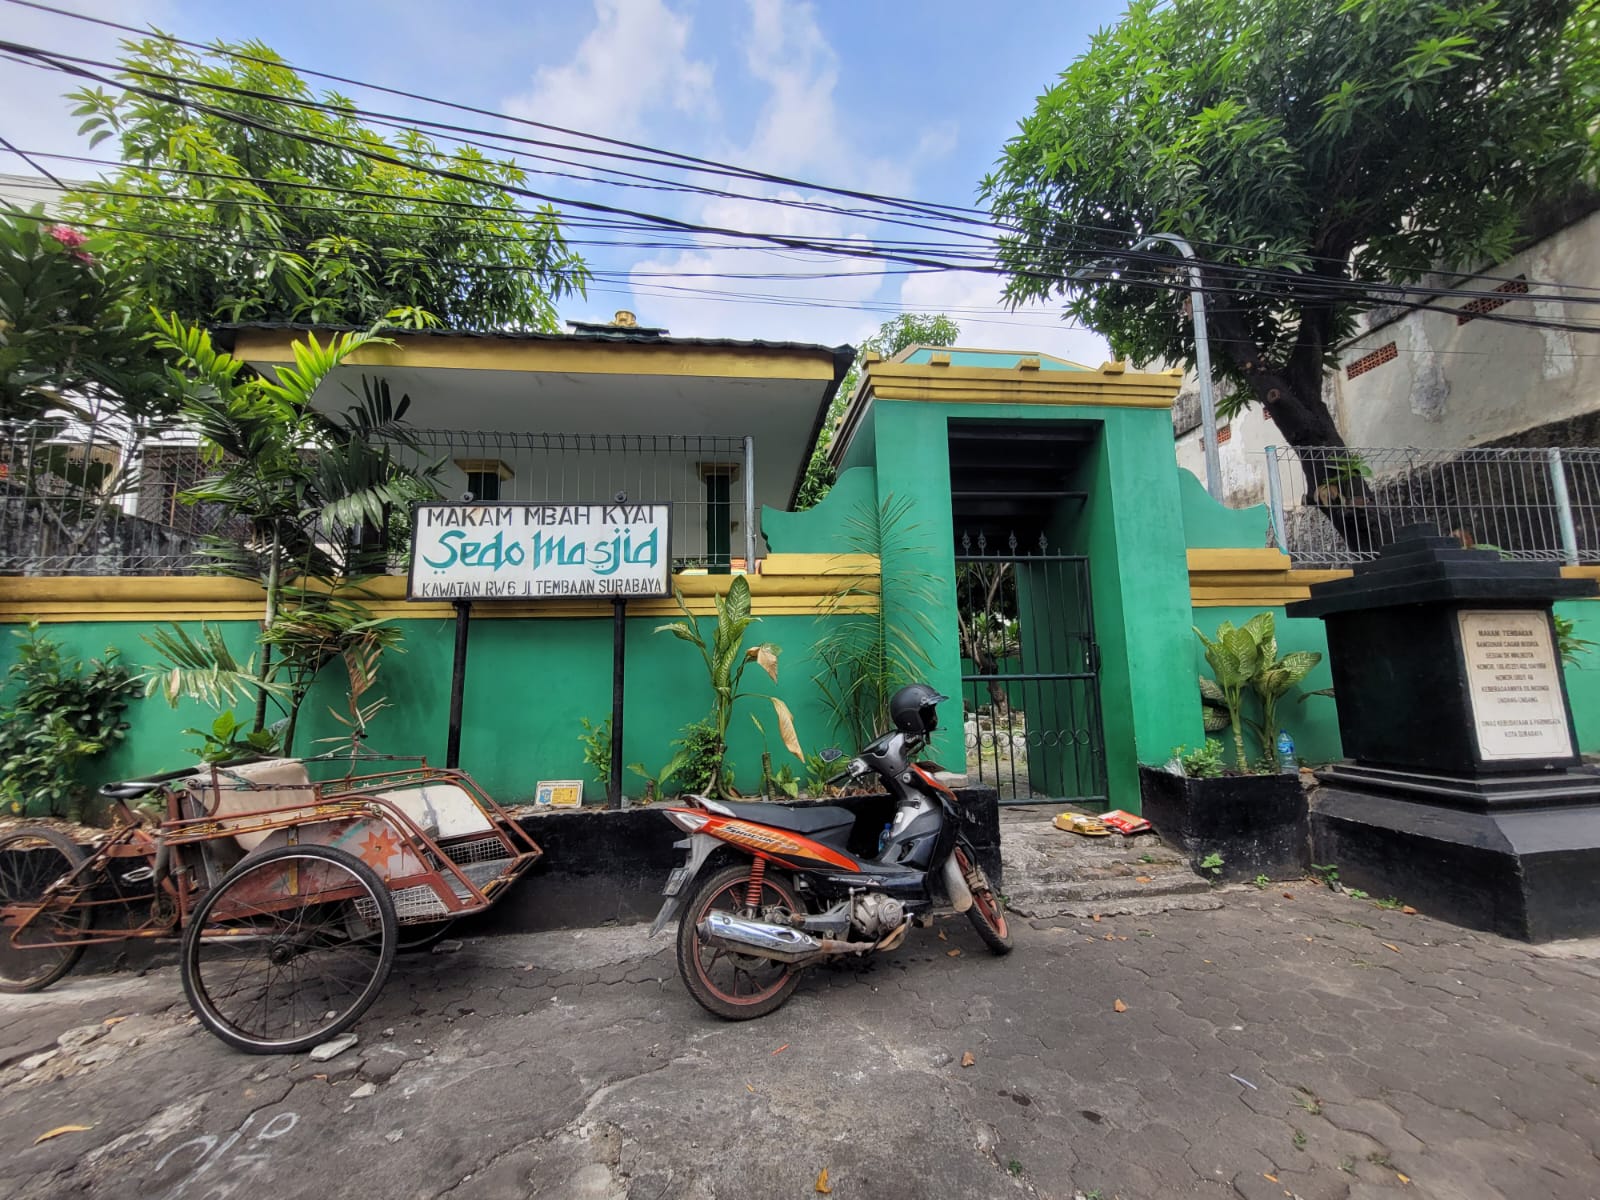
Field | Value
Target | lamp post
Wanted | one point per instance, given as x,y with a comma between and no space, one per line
1202,349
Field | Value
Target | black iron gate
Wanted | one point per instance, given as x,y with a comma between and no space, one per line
1030,672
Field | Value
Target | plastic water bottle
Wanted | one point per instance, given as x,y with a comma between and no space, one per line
1286,761
883,838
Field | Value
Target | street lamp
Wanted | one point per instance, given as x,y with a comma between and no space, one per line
1202,349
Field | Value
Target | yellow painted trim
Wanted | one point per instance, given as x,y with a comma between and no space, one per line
788,585
1249,577
1231,558
1583,572
1109,387
564,357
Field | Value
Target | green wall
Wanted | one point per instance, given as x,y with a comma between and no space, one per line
1209,524
528,683
1583,677
1139,573
829,527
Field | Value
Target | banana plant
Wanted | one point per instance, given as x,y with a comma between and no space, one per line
1235,656
725,659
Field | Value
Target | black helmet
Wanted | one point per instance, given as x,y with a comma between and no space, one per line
915,708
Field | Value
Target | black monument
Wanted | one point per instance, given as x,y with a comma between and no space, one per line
1464,792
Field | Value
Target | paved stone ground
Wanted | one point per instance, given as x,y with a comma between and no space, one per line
1315,1047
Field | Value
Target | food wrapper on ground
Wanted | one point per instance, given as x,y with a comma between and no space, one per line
1124,822
1079,823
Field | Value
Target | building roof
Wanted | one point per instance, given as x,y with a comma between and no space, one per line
613,380
968,356
226,336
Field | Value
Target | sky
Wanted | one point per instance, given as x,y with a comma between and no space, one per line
899,98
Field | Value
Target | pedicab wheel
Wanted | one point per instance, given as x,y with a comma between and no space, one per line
31,859
736,987
289,949
988,911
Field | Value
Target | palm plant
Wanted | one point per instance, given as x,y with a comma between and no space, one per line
865,657
315,493
725,660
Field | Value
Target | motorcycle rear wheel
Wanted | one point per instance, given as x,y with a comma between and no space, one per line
735,987
988,911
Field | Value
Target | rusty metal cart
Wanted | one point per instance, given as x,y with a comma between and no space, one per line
292,883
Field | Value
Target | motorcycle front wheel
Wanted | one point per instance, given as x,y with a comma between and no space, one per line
735,987
988,911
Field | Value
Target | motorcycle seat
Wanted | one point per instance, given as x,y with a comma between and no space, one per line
805,818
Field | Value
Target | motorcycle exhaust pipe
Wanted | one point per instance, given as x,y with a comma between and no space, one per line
780,943
777,942
956,886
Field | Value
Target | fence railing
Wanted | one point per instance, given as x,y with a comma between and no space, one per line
1334,506
74,501
84,501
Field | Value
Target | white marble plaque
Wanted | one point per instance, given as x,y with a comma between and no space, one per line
1513,677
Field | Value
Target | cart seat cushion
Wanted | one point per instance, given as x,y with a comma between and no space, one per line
442,810
256,787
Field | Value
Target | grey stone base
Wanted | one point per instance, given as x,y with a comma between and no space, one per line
1528,873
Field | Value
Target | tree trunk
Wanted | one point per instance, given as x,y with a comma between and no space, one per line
266,625
1291,395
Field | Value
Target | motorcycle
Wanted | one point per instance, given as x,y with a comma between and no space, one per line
768,889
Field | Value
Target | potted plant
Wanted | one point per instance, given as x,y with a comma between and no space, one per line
1248,818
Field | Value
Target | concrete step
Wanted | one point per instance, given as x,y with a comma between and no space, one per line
1053,873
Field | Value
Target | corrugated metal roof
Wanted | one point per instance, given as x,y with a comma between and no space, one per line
840,354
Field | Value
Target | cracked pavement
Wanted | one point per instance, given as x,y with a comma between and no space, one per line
1317,1047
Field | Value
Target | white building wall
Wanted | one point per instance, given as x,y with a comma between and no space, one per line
1448,384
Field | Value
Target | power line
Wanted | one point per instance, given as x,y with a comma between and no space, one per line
723,295
670,158
1297,287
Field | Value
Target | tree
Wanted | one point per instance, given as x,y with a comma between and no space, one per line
75,337
908,329
1300,145
249,198
317,493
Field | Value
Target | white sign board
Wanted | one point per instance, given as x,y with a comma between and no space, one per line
1513,677
531,551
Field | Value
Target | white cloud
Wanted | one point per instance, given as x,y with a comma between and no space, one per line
972,298
33,113
798,129
633,63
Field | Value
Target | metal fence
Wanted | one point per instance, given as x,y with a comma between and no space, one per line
1539,504
74,501
82,501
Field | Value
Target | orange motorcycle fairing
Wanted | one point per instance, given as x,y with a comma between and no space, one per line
782,846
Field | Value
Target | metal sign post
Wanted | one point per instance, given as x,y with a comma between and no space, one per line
458,684
619,648
530,551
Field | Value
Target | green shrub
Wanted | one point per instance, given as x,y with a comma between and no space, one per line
54,714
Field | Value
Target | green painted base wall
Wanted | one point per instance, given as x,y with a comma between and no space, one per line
1583,677
528,683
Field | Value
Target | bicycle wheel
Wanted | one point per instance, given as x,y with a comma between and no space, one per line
289,949
31,859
